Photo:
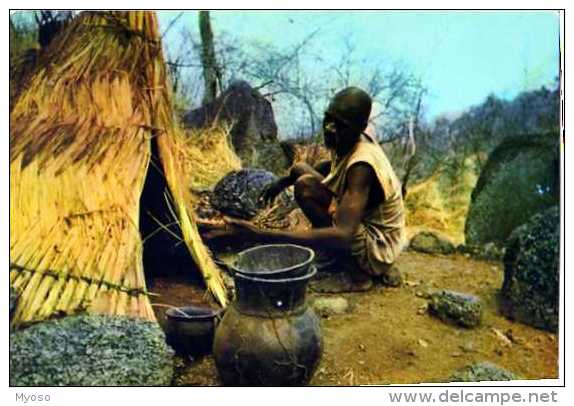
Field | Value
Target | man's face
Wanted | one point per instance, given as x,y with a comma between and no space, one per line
337,135
329,132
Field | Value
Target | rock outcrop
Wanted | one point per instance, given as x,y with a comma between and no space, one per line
530,291
253,126
520,178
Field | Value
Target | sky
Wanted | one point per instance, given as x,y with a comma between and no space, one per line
461,57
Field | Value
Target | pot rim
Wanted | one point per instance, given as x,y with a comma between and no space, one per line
209,313
312,272
277,271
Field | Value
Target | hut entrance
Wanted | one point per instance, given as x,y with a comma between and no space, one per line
164,251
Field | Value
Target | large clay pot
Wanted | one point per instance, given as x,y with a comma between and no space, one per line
268,336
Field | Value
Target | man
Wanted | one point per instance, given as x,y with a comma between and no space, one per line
354,203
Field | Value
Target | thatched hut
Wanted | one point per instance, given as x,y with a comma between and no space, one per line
80,136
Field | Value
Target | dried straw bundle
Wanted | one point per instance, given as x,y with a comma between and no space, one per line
79,151
207,156
173,165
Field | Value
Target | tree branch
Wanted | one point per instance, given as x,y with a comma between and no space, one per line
171,24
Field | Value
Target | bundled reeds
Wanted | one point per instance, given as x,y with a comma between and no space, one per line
79,152
207,156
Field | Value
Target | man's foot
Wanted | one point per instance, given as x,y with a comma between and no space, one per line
325,261
341,282
392,278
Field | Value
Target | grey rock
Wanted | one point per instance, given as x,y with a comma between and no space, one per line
237,193
457,308
482,371
431,243
489,251
253,126
90,350
519,179
330,306
531,272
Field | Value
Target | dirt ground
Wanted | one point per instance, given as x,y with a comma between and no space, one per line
388,337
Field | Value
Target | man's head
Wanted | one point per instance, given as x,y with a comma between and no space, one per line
346,118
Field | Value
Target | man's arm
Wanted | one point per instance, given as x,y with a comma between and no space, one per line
347,217
323,167
320,170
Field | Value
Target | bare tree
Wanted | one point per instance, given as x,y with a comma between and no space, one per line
397,93
290,79
410,145
211,72
183,59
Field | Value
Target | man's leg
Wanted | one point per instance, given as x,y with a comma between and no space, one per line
311,195
303,168
352,270
348,278
314,199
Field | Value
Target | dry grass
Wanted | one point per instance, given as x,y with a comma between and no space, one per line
173,165
312,153
440,204
207,155
79,152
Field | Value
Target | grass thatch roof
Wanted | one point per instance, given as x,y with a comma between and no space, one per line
79,152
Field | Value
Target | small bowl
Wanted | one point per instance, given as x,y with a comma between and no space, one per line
190,329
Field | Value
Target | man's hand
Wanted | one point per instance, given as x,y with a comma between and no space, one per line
242,227
269,193
210,230
228,228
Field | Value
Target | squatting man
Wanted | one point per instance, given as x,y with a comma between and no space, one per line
353,202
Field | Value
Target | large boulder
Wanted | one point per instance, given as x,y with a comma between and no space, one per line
519,179
237,194
531,272
253,127
90,350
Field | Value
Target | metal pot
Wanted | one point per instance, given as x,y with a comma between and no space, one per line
268,336
274,261
190,329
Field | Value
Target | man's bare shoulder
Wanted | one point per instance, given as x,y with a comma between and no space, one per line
360,175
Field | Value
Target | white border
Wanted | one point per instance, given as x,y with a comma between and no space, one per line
160,396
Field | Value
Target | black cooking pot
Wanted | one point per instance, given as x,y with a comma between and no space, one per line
274,261
190,329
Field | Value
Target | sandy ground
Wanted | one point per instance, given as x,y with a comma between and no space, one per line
388,337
